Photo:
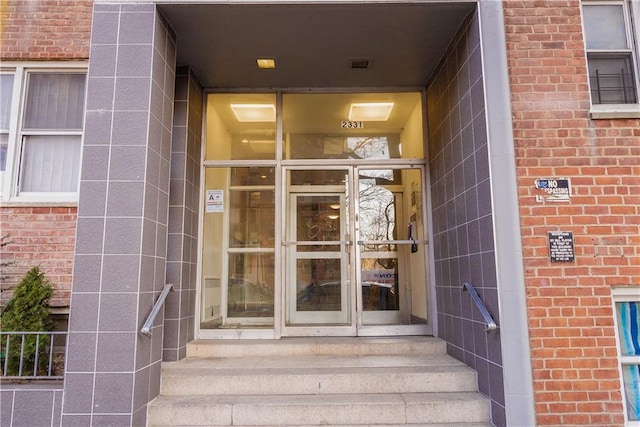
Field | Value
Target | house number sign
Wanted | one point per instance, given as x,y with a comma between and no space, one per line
348,124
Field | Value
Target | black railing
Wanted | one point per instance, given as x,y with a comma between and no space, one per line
32,355
618,88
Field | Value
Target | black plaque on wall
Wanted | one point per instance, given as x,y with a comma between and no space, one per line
561,246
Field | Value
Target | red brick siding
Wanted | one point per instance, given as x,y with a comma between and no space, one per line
573,348
40,236
45,29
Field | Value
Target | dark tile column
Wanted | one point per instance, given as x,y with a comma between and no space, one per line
462,215
183,215
112,370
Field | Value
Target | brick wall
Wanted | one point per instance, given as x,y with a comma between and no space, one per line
40,236
45,29
574,357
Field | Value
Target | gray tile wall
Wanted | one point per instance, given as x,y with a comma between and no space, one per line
30,405
462,212
183,215
112,370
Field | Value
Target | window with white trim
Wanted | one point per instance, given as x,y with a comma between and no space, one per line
41,132
627,319
611,53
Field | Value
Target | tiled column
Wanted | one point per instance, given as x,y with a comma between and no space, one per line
112,370
183,215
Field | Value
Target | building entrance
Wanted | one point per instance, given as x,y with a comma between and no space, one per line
321,231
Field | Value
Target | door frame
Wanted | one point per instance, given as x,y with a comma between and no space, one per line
356,326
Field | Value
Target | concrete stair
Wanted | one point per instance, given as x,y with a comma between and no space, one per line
319,381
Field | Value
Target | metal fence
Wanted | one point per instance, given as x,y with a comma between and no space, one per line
32,355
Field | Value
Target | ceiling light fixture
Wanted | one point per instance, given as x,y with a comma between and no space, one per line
370,111
254,112
266,63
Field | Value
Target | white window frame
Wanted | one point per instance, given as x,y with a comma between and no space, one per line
9,191
624,294
632,19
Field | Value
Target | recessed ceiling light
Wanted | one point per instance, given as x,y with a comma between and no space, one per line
370,111
266,63
254,112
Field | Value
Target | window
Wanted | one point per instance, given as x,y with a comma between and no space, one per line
40,132
627,309
611,56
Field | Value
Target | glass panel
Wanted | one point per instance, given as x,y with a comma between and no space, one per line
50,163
4,145
238,250
251,219
612,79
318,220
54,101
315,177
319,284
241,127
254,176
631,379
6,92
250,290
628,316
323,126
629,327
605,27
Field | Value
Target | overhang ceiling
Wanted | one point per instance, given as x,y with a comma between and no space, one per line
314,44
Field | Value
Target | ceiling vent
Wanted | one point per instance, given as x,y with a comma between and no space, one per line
360,63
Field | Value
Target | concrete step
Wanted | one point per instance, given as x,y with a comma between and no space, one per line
319,381
316,347
334,409
317,375
362,425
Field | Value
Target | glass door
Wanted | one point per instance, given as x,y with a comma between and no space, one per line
390,247
318,285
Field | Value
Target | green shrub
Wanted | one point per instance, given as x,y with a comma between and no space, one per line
27,311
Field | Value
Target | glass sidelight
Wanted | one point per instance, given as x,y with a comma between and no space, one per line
238,257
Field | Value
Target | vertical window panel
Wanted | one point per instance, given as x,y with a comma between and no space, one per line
6,92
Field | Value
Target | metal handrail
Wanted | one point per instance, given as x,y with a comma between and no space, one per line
146,328
488,319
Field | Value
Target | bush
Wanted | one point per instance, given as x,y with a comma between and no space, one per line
27,311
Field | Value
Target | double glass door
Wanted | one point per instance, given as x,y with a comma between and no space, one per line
350,244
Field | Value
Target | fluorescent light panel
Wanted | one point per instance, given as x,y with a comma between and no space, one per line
370,111
254,112
266,63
